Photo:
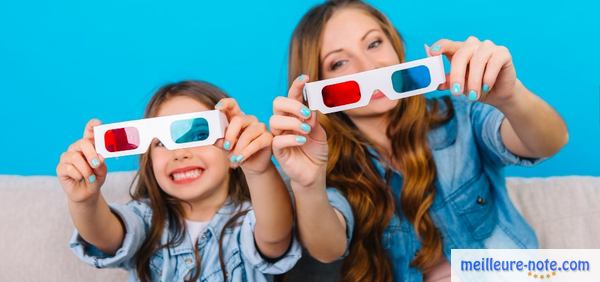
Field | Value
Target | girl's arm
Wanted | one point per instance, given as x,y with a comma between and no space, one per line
484,71
81,172
250,146
300,147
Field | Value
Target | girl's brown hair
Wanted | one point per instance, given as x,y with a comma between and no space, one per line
167,210
350,168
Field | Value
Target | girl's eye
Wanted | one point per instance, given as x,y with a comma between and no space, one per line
337,64
159,144
375,44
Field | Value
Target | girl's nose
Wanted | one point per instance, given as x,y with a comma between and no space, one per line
181,154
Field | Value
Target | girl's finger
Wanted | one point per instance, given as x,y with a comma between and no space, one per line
229,107
91,156
279,124
288,106
262,141
67,171
295,91
79,162
458,66
247,136
286,141
88,132
477,67
234,129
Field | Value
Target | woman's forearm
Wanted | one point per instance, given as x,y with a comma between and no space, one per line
273,209
532,128
98,225
322,229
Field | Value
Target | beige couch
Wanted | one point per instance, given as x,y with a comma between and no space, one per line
35,226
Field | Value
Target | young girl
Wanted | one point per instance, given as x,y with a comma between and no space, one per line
214,213
397,184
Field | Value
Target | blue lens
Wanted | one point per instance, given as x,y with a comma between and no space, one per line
411,79
189,130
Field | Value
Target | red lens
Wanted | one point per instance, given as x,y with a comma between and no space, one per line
121,139
341,94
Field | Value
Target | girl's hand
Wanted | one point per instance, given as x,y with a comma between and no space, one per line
479,70
300,143
247,139
81,171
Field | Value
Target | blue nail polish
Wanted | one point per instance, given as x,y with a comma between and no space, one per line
300,139
233,159
305,112
486,88
305,127
95,163
239,158
456,88
472,95
218,105
301,77
92,179
436,48
227,145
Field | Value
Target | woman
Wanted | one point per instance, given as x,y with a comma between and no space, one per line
395,185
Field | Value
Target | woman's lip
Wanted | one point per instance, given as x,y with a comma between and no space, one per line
377,95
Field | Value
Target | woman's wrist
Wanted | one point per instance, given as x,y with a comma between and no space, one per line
518,101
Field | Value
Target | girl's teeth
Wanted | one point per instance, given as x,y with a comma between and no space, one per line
185,175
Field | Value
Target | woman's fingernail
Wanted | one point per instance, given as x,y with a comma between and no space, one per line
239,158
456,88
227,145
233,159
436,48
300,77
92,179
305,127
300,139
219,105
305,112
472,95
486,88
95,163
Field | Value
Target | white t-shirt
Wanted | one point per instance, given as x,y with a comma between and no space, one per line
195,229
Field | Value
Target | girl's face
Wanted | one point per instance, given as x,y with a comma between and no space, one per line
191,174
352,42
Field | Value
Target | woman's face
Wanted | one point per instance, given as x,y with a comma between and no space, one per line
353,41
190,174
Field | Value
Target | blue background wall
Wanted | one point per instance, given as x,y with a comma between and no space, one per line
64,62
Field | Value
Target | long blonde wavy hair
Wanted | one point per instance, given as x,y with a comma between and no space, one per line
350,168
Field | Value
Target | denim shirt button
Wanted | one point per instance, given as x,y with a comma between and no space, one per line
188,261
480,200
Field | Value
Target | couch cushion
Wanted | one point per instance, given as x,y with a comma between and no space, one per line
35,224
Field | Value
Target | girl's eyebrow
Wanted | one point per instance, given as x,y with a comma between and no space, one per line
341,49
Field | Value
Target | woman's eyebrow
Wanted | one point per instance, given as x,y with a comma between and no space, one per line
340,50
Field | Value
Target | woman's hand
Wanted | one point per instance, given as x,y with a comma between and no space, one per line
300,143
81,171
480,70
247,139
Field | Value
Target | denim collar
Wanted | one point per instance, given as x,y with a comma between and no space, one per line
215,225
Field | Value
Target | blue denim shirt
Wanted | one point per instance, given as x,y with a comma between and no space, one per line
241,256
471,208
